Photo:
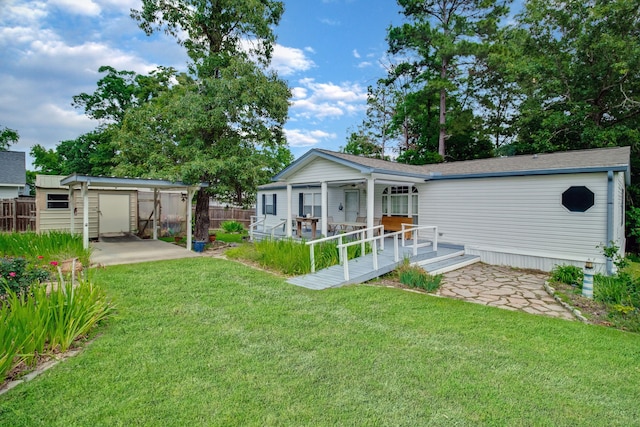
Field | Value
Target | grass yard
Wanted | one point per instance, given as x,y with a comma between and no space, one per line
206,342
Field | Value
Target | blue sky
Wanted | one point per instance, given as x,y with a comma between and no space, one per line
329,51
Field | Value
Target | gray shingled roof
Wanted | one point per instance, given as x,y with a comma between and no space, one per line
12,168
615,157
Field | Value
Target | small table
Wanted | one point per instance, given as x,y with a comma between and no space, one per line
312,220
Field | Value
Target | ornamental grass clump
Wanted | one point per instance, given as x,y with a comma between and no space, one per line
47,319
415,277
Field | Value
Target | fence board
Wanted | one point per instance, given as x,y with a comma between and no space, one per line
18,214
220,214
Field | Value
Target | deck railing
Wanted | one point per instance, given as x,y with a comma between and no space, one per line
415,230
375,241
340,238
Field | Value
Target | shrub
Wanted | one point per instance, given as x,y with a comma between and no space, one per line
17,275
232,227
569,274
416,277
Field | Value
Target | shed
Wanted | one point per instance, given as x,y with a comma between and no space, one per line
102,205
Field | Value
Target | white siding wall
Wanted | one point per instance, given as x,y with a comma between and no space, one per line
60,219
320,170
518,221
9,192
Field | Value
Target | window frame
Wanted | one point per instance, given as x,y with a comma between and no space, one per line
57,201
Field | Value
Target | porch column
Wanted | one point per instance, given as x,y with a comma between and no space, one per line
324,208
190,193
155,214
85,215
370,205
72,210
289,210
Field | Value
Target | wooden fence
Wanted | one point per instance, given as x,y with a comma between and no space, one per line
219,214
18,214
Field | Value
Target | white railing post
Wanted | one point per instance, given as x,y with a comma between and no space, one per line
374,249
345,264
363,237
435,238
312,256
414,234
340,259
396,253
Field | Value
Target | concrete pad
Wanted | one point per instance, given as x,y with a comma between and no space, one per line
130,249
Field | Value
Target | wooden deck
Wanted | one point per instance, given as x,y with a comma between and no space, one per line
361,269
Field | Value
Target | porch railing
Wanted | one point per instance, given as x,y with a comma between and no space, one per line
256,221
376,241
340,238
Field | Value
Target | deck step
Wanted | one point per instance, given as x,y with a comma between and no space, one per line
450,263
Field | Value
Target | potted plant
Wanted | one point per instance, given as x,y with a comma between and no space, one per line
212,237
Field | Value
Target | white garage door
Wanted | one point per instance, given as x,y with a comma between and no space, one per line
114,213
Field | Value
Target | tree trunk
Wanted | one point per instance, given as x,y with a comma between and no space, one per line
201,231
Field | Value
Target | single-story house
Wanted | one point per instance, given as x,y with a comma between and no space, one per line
13,175
529,211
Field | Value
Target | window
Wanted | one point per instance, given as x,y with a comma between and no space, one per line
310,204
578,199
395,200
269,204
57,201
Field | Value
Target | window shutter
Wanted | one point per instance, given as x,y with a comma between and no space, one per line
275,207
264,204
300,203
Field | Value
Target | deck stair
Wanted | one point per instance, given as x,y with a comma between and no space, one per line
449,263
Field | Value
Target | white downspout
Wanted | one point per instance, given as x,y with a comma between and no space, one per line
370,205
289,210
324,208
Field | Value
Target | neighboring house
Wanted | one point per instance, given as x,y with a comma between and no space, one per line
13,175
531,211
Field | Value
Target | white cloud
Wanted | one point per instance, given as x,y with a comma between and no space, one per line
314,100
289,60
75,7
364,64
307,138
355,53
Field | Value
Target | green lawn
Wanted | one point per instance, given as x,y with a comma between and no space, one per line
205,342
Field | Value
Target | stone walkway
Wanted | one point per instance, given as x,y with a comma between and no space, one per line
503,287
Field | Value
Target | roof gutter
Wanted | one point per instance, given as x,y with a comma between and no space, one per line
438,176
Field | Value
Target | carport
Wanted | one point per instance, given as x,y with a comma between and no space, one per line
84,182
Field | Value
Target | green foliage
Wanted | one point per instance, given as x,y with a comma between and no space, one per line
47,319
569,274
46,247
415,277
8,137
232,227
291,256
17,275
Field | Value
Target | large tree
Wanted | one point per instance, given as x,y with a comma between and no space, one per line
439,36
230,113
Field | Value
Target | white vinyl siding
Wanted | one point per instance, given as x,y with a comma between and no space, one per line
319,170
518,215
